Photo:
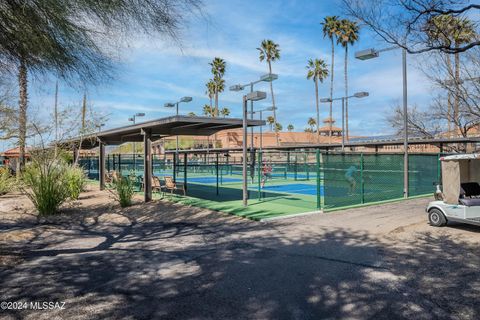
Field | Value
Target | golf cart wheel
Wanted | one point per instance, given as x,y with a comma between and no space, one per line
436,218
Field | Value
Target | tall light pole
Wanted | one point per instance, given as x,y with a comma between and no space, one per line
261,118
269,77
361,94
370,54
172,105
133,119
252,96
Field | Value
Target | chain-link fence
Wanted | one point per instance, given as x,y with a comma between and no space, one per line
293,181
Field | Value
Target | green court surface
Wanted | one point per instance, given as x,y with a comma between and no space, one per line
337,181
229,200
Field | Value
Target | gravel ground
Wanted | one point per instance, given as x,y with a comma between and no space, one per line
162,260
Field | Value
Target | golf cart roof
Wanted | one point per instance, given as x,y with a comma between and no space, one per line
472,156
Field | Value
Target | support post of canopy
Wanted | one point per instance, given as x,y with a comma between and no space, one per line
147,164
74,153
101,164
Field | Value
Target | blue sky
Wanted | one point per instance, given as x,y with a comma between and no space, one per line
153,71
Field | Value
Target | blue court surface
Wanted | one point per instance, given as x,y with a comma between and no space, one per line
311,189
212,180
300,188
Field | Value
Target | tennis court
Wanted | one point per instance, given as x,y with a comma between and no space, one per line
296,182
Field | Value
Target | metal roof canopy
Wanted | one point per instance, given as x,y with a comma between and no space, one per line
164,127
331,146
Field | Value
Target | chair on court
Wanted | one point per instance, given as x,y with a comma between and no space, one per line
156,184
172,186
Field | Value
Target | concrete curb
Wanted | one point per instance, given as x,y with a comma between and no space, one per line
293,215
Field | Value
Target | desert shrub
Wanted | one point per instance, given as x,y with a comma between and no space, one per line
75,180
7,182
46,185
124,187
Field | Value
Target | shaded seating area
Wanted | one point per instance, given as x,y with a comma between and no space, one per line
150,131
173,186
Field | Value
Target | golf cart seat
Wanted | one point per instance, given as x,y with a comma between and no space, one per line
470,194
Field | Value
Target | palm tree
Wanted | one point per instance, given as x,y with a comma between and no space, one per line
348,35
330,29
208,110
318,71
463,32
278,127
270,121
312,123
269,51
290,127
225,112
210,92
218,70
438,29
448,29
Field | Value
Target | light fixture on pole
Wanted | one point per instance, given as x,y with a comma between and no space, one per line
172,105
370,54
99,126
134,153
269,77
261,118
252,96
361,94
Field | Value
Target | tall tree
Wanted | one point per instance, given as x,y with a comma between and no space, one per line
208,111
448,30
290,128
83,115
330,30
438,29
62,38
218,70
347,35
463,33
402,23
55,112
312,123
270,122
318,71
210,91
270,52
225,112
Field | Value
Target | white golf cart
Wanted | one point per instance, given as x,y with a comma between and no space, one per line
460,198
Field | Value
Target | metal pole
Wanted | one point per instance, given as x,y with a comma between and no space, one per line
244,152
251,117
343,124
216,172
252,148
176,143
405,124
134,151
185,169
261,132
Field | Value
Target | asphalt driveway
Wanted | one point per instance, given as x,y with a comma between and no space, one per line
166,261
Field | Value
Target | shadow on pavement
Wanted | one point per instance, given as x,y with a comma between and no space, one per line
149,264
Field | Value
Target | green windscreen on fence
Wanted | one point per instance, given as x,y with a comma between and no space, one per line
284,181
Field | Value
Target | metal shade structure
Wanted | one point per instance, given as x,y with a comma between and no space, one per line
163,127
149,131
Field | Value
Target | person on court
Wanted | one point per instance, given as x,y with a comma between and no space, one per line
266,173
350,176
